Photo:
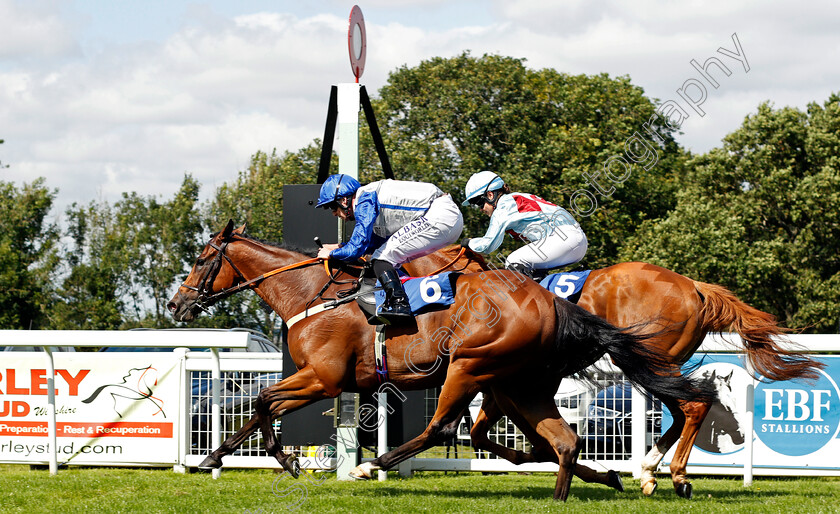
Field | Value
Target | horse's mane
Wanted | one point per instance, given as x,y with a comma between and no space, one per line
284,246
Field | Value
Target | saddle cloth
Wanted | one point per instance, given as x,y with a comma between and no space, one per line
426,293
566,285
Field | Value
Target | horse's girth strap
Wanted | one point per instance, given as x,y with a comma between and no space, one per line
381,358
321,307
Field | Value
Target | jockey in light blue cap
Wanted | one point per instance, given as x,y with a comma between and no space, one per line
396,221
555,238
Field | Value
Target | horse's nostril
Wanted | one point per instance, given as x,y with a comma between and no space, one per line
171,306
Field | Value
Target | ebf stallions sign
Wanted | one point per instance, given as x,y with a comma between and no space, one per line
796,423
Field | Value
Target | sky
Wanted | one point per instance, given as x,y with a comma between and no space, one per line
105,97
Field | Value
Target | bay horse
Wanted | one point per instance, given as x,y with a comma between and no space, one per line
677,313
503,334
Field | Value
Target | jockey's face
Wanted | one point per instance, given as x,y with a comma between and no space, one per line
488,208
343,208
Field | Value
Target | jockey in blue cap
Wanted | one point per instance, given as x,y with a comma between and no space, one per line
555,238
396,221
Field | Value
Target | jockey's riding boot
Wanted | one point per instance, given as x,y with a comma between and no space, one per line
396,307
521,268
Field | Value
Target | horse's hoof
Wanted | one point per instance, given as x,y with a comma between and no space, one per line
614,481
363,471
684,490
210,463
292,465
649,488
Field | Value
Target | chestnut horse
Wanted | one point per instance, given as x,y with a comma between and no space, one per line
678,312
503,334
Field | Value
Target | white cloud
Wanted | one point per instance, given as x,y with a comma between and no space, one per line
32,32
103,114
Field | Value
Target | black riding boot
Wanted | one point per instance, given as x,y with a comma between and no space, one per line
396,307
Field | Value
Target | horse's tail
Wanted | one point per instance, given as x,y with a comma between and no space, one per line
582,338
723,311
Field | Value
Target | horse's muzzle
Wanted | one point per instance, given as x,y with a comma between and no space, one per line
183,309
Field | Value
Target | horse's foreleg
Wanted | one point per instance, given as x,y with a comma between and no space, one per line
230,445
489,414
541,451
455,396
541,414
286,396
695,413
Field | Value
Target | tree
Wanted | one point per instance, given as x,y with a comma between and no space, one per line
256,199
126,259
544,131
93,293
28,256
760,216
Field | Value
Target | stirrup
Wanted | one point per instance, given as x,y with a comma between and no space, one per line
394,310
521,268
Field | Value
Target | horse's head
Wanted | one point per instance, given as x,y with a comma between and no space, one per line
212,274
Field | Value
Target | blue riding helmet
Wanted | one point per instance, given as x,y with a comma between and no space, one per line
337,186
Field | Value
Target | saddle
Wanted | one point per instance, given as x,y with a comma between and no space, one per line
365,296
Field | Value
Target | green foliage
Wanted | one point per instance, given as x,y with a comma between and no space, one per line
125,259
28,256
541,130
256,197
760,216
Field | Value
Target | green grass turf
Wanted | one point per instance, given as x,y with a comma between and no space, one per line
263,491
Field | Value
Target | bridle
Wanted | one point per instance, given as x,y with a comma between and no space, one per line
206,296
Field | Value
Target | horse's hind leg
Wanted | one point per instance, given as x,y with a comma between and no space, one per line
491,412
654,456
455,396
695,413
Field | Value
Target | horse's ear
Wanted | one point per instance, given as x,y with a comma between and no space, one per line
241,230
227,230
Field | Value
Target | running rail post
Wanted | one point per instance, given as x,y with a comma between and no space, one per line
382,430
749,429
215,413
51,424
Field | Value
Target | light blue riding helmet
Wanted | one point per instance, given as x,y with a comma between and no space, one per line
337,186
480,183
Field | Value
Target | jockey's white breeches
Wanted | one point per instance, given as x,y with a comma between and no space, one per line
441,225
565,245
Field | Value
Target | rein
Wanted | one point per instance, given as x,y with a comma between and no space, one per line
453,261
206,297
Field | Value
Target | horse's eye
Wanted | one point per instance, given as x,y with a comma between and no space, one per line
199,261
